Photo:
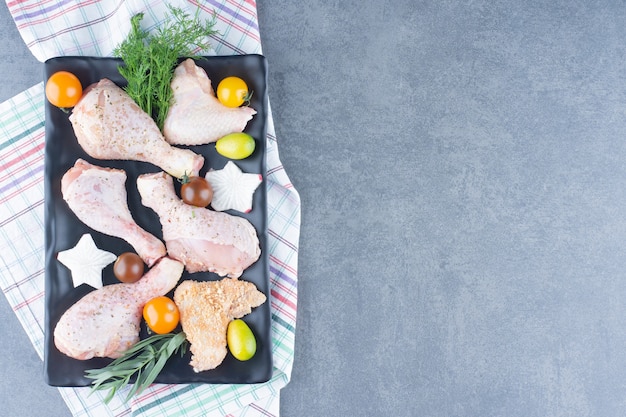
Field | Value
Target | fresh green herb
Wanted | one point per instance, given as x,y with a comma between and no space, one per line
248,98
150,59
145,359
184,179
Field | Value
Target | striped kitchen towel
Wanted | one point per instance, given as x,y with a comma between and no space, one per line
94,28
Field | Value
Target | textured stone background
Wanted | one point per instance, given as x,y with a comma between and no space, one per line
461,169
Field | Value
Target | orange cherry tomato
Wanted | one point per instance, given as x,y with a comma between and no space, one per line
63,89
232,91
161,315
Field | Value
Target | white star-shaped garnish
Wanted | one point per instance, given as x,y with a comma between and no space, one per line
86,262
232,189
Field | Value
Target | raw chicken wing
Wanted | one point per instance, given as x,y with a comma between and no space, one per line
196,116
206,308
105,322
110,125
202,239
98,198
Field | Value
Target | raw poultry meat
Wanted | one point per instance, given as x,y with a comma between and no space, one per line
98,198
204,240
196,116
105,322
110,125
206,308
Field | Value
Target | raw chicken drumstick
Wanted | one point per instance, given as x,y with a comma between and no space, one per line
98,198
196,116
206,308
202,239
105,322
110,125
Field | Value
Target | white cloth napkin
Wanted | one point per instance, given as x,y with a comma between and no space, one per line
94,28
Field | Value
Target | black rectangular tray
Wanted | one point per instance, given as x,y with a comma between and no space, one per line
63,229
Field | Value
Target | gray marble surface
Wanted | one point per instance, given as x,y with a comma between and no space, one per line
463,180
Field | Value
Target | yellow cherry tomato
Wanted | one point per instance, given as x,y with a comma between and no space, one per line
240,339
232,91
63,89
161,315
235,145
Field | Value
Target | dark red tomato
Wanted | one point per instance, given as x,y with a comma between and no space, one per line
128,267
196,191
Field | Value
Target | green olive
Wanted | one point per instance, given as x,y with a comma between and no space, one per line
241,341
235,145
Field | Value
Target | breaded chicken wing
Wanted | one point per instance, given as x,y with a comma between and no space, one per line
206,308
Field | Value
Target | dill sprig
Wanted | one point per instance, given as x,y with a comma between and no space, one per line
150,59
145,360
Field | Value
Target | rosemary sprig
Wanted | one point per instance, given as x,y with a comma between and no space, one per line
150,59
145,360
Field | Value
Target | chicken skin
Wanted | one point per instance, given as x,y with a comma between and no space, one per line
206,308
202,239
98,198
105,322
196,116
110,125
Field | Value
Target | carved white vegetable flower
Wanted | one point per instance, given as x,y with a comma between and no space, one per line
86,262
232,189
